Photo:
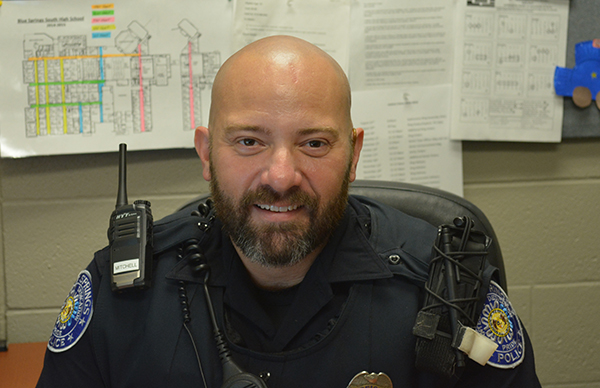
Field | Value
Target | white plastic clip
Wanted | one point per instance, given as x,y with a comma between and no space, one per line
478,347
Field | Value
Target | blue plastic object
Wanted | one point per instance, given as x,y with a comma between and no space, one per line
585,74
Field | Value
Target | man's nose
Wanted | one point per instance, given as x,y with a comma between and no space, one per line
282,173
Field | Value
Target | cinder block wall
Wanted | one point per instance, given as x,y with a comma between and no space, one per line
543,200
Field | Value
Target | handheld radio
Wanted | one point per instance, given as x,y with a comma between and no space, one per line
130,237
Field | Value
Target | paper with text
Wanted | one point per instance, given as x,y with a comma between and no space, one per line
504,70
324,23
399,43
407,137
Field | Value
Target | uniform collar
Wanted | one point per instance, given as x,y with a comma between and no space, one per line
347,257
349,252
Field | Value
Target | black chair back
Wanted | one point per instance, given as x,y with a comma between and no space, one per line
435,206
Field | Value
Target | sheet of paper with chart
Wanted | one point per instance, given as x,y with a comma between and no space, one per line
405,140
83,76
504,70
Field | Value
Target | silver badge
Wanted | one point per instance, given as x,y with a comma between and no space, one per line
370,380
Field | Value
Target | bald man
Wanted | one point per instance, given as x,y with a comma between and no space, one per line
279,153
285,281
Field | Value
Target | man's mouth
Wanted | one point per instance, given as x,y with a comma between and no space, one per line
277,209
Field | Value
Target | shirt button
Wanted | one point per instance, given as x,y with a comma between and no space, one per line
394,259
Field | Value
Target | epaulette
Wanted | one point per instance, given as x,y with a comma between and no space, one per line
191,222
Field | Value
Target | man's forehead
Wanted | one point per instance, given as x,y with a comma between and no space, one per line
279,50
282,56
283,69
279,72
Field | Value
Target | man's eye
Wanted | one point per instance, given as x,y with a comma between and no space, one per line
316,148
248,142
315,143
248,146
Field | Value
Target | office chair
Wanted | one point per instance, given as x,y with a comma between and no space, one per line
435,206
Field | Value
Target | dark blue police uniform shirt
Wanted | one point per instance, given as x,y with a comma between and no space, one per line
353,312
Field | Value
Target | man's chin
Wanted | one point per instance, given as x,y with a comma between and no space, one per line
274,263
278,248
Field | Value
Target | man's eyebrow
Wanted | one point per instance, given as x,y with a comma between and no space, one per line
328,130
249,128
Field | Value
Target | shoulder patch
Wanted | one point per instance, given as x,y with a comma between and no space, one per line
74,316
500,323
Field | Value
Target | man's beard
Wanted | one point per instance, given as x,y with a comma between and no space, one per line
278,244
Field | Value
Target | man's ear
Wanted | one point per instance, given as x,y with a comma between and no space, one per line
202,144
358,136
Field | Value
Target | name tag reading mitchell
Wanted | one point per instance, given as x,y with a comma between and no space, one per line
126,266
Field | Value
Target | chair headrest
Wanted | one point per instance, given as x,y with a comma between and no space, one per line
435,206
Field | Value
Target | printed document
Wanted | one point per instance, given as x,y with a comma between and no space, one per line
399,43
505,59
405,140
324,23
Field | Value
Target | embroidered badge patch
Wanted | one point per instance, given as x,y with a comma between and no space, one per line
500,323
74,316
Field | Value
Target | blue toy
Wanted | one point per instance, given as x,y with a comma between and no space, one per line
582,83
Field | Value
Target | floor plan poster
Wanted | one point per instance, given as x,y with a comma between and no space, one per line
82,76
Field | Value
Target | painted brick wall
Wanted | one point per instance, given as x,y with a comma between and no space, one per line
543,200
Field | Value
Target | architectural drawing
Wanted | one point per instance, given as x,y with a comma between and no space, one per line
198,71
76,88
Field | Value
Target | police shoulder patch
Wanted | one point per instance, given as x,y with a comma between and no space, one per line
500,323
74,316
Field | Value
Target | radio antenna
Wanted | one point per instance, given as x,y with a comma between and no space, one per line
122,192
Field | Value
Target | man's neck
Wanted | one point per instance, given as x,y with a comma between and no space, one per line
278,278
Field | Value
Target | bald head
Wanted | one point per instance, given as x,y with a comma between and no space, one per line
279,153
282,67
